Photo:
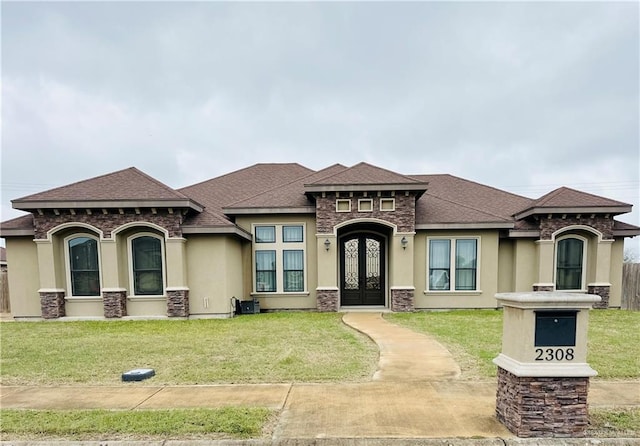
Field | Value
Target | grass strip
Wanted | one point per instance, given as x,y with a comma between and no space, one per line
120,424
474,337
614,423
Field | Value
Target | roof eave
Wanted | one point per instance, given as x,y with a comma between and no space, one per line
17,232
225,230
107,204
612,210
477,225
270,210
318,188
626,232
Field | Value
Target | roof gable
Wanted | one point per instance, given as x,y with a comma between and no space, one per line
364,176
124,188
567,200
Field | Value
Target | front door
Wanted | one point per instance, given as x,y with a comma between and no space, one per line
362,269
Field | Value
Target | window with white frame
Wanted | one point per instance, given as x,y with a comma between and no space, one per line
147,265
453,264
570,257
83,265
279,258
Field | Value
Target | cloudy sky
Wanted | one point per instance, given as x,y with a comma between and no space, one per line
522,96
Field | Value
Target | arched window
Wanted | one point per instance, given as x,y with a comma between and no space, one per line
570,264
147,266
84,268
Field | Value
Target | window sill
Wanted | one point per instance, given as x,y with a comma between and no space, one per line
84,298
147,298
452,292
284,294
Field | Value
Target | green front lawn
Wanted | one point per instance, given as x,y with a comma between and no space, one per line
264,348
474,337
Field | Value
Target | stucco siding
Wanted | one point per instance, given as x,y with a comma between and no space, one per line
22,258
210,274
525,265
487,273
506,259
617,257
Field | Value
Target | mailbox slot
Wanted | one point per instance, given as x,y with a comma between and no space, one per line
555,328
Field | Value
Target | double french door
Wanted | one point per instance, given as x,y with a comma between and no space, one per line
362,269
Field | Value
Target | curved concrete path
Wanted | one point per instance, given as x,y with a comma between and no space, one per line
404,354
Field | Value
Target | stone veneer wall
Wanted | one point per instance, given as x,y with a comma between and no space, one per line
52,304
108,222
541,406
542,288
550,225
603,292
404,215
178,303
114,303
402,300
327,300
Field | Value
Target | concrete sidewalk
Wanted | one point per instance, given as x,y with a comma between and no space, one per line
415,393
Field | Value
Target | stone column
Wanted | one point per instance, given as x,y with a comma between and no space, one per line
114,301
178,302
328,299
52,303
402,299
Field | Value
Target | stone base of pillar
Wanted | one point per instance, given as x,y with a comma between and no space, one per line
114,303
402,299
52,304
327,300
178,302
542,406
543,288
603,292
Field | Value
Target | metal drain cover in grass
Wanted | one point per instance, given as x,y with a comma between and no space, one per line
138,374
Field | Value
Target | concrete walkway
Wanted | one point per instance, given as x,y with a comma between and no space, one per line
414,394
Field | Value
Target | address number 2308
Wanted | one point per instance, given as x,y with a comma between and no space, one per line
554,354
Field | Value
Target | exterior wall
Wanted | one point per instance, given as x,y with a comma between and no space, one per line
488,260
214,274
22,255
285,301
506,266
615,278
550,225
525,264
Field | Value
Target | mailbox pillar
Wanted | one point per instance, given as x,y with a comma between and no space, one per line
543,375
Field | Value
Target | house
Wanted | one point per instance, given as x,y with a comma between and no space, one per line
126,245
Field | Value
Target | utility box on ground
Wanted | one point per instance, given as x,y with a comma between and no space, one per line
543,375
250,306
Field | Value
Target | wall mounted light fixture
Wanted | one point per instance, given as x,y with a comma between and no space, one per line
327,244
404,242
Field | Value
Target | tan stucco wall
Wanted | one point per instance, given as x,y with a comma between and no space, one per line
488,250
214,275
23,275
301,301
525,264
617,257
506,278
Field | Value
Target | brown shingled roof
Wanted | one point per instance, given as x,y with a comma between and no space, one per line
290,195
364,174
571,200
221,191
127,185
17,226
450,199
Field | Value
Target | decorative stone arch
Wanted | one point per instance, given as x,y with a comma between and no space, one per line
140,224
365,221
70,225
562,232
